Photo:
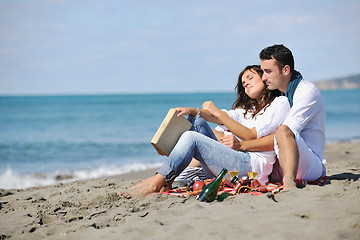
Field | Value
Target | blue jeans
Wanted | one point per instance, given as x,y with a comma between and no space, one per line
201,143
201,126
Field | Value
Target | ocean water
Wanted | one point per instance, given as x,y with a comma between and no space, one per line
50,139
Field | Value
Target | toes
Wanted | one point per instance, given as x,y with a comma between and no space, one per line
127,196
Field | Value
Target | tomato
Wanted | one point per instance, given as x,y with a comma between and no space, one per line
263,189
198,185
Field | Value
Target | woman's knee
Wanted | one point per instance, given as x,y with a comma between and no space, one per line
188,136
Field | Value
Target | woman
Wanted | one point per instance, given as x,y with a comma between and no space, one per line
258,112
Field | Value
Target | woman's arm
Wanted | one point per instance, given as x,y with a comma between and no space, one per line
258,145
236,128
194,111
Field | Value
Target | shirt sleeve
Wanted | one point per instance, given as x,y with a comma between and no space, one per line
235,114
273,117
307,102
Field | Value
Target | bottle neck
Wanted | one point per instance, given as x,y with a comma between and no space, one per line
221,175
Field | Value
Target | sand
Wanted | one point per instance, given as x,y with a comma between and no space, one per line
94,210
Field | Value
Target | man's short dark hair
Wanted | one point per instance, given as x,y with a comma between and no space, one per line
280,53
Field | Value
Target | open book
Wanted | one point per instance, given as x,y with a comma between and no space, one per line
169,132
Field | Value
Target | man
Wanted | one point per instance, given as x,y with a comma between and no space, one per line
300,141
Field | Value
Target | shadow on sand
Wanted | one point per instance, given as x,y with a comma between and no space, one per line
345,176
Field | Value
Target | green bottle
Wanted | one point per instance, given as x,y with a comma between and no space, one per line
209,192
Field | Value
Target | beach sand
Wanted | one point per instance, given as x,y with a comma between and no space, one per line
94,210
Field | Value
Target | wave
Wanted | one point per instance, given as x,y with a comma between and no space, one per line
11,179
341,140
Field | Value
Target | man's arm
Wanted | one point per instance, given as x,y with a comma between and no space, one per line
258,145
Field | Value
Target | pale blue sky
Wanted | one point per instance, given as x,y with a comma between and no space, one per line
109,46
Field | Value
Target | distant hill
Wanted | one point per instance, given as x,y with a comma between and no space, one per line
351,82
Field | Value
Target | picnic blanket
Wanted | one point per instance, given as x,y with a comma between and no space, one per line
272,188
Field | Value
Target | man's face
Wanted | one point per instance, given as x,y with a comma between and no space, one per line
272,76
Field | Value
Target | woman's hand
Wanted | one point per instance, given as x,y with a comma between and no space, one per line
232,142
210,106
186,111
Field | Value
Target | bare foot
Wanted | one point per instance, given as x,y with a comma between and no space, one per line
151,185
289,183
141,183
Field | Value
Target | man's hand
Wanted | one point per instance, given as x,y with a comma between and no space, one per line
232,142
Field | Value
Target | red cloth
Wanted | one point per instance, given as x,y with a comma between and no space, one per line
271,187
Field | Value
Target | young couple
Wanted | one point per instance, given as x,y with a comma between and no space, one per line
290,127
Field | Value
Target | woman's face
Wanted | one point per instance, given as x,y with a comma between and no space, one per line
252,83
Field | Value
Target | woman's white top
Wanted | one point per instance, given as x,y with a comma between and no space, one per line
266,123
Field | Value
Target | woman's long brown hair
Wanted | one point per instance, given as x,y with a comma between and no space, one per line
253,106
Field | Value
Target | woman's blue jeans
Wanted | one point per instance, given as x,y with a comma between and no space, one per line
201,143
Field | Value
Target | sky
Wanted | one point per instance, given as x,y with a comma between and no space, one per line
162,46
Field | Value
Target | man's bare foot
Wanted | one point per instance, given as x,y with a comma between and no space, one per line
151,185
289,183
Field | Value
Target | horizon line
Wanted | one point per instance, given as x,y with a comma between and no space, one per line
108,94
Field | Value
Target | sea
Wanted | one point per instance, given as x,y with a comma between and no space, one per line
58,139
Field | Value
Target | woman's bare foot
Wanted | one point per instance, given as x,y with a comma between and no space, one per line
289,183
150,185
141,183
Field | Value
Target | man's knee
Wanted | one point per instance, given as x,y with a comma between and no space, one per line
284,133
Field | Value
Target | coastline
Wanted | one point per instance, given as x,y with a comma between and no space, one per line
94,209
